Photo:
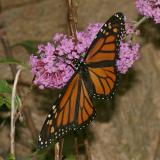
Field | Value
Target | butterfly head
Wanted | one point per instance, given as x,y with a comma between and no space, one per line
78,64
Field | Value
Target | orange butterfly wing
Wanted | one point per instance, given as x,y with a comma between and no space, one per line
72,111
102,56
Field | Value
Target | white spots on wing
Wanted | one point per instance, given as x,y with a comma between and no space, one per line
54,111
40,139
53,107
49,122
62,131
116,15
52,129
109,26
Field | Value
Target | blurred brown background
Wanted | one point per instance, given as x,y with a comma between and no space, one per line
133,131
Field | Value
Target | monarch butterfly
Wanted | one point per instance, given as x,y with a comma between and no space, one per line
96,76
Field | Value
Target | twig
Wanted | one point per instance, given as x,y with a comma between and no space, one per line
61,148
27,114
143,19
8,53
88,152
13,110
76,147
72,25
135,26
72,18
57,151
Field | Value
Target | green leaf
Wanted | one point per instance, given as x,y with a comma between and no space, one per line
8,101
29,45
4,87
5,100
18,101
5,97
12,61
11,157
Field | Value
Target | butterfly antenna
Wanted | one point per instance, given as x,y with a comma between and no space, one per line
65,61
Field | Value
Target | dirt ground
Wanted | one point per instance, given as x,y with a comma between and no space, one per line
133,131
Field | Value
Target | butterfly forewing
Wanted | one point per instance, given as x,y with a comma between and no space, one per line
102,56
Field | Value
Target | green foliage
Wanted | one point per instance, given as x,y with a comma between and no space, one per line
1,101
29,45
5,95
11,157
12,61
4,87
5,100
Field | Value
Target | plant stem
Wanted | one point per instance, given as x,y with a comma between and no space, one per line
135,26
13,111
57,151
72,19
143,19
8,53
61,148
88,152
76,147
72,22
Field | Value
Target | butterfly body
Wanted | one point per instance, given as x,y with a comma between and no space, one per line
95,77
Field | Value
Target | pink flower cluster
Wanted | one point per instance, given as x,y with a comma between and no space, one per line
129,53
149,8
53,66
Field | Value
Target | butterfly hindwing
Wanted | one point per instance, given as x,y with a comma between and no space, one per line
72,111
102,56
